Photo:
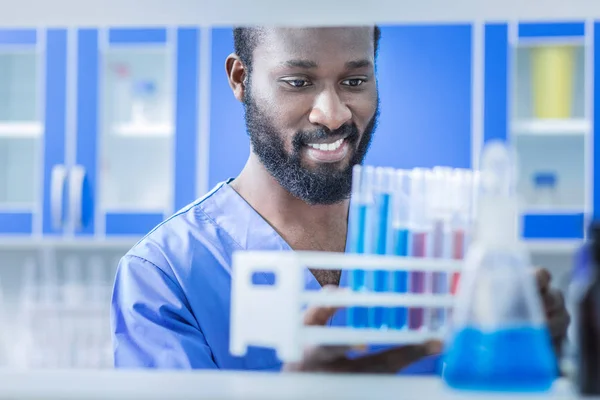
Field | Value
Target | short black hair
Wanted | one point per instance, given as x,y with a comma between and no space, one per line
245,40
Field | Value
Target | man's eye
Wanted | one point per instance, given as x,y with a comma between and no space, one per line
298,82
353,82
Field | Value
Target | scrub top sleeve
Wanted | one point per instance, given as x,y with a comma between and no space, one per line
152,325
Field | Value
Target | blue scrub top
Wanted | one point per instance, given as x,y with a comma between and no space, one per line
171,298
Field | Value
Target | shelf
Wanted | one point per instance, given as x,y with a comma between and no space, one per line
552,246
10,242
552,127
551,209
21,129
138,129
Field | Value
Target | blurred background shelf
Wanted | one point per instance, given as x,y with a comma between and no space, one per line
552,127
21,129
144,130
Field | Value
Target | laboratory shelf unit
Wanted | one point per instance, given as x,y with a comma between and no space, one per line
539,78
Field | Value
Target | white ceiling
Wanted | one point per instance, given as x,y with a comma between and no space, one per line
18,13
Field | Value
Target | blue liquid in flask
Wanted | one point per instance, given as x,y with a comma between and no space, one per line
518,359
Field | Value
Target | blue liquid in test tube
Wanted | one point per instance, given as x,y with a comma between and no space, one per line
382,240
360,209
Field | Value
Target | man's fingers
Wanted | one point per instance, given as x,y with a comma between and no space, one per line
543,279
389,361
558,325
318,315
554,301
322,355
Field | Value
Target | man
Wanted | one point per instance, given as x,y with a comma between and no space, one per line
311,106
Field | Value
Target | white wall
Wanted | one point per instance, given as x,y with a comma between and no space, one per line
317,12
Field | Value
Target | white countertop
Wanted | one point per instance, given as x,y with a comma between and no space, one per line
146,385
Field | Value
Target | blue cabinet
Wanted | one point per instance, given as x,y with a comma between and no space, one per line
113,142
32,130
137,122
536,84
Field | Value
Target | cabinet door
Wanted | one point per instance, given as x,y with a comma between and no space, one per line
540,70
32,130
137,128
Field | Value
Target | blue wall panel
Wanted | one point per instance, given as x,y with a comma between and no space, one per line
229,144
424,78
550,29
186,115
137,36
18,36
16,223
495,98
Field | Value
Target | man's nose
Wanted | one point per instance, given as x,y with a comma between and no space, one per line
329,110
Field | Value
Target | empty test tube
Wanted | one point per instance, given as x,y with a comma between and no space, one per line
464,203
361,212
400,237
440,190
382,238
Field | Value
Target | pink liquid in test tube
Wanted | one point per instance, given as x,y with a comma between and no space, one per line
417,281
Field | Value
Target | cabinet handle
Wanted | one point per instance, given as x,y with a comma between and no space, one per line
57,187
76,187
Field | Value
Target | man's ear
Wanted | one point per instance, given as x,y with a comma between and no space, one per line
236,75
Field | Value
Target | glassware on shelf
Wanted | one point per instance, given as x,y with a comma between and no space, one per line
544,188
122,92
144,102
553,81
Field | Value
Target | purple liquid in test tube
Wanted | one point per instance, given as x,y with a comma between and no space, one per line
419,239
441,197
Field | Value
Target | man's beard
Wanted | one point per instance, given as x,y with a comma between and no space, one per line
325,184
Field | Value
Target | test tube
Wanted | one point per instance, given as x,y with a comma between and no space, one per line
420,229
440,190
382,238
361,207
464,200
400,235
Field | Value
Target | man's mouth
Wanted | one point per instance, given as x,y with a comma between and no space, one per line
328,152
327,146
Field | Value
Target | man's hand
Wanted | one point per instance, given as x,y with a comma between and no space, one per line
334,358
557,317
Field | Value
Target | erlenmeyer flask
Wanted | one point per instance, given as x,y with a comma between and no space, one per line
499,340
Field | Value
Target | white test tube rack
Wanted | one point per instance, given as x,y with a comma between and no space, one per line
272,316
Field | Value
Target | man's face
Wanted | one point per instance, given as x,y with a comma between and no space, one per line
311,107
